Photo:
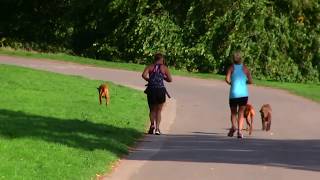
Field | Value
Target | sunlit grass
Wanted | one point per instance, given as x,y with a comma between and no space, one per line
52,127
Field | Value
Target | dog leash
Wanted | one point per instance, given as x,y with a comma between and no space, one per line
167,93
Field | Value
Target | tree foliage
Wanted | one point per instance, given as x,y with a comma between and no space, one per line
280,39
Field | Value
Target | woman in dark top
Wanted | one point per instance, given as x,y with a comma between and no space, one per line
156,92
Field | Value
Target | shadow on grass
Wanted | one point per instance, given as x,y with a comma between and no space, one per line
214,148
72,132
196,147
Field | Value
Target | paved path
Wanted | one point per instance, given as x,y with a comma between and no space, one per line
196,146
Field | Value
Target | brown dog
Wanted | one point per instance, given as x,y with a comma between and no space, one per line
265,112
104,93
249,114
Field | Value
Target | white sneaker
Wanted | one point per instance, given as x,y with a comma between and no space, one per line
158,132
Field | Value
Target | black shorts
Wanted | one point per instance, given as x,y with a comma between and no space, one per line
235,102
156,96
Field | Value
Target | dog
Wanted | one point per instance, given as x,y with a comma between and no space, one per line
103,90
249,114
266,112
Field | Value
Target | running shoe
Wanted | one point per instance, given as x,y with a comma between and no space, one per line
240,135
151,130
231,132
158,132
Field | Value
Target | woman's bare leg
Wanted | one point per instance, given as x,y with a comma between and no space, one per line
158,115
233,121
234,117
152,116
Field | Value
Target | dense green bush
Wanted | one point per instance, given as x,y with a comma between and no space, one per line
280,39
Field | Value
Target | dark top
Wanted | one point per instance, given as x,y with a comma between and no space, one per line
156,77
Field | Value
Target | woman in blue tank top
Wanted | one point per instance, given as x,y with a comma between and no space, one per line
238,76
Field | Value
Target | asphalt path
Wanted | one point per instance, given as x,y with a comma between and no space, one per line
194,144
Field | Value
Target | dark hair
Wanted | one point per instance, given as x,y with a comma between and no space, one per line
237,52
158,56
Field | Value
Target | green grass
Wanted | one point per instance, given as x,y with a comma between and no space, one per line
52,127
311,91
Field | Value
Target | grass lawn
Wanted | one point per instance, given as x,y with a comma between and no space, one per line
311,91
52,127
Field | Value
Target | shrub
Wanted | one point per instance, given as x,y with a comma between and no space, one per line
280,39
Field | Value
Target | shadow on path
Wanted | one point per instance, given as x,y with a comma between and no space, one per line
214,148
70,132
196,147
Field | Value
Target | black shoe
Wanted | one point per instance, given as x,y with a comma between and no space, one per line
151,130
240,135
231,132
157,132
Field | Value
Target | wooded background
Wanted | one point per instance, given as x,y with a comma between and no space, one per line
280,39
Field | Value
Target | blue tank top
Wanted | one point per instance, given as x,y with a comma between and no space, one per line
239,79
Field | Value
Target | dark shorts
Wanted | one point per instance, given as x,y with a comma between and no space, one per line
235,102
156,96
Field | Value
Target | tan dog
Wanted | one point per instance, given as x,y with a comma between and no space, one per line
265,112
249,114
104,93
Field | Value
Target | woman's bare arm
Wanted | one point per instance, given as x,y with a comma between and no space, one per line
228,75
250,81
145,74
168,77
